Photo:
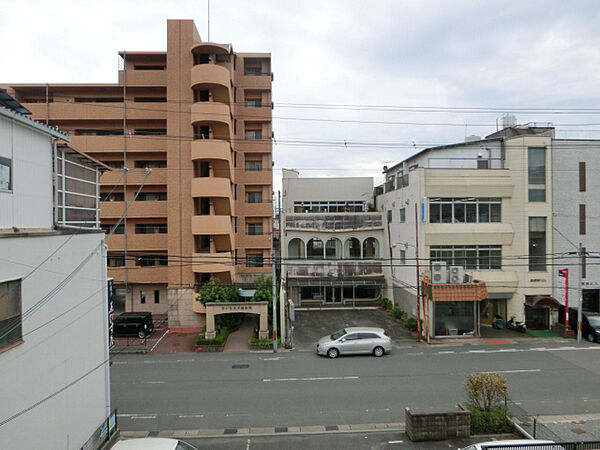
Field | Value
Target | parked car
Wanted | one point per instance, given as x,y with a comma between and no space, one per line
152,444
590,326
137,324
515,444
355,340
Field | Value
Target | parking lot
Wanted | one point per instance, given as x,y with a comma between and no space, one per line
312,325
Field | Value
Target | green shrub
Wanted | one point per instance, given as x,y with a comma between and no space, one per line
386,304
411,324
261,343
398,313
219,339
486,391
495,421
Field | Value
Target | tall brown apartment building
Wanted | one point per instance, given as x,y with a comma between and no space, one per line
199,116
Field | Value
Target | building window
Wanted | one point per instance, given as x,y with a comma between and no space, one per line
156,296
537,244
253,166
333,249
151,164
253,197
113,197
10,313
114,164
115,261
370,248
582,177
402,215
253,135
152,196
314,249
142,297
254,260
151,260
471,257
465,210
107,227
5,174
581,219
150,228
389,216
329,206
254,229
402,259
536,173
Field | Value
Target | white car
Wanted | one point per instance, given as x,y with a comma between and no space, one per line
152,444
514,444
355,340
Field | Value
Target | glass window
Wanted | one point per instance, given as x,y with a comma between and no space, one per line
254,260
537,244
314,249
402,215
253,135
454,318
254,229
402,257
537,195
459,212
435,212
253,166
536,165
333,249
471,257
10,313
371,248
253,197
352,248
446,212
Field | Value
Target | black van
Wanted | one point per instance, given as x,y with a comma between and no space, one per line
138,324
590,323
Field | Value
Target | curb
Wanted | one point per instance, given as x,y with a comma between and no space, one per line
269,431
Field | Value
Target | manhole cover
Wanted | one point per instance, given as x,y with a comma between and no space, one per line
240,366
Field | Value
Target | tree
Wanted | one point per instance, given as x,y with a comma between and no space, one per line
215,292
486,391
264,289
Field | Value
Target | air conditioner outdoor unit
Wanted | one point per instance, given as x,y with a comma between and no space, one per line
457,274
438,272
468,278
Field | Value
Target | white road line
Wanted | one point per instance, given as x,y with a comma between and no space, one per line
395,442
277,358
515,371
445,353
416,354
143,417
153,382
248,444
311,379
191,416
160,339
185,360
151,362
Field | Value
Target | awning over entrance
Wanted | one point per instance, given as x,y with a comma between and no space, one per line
541,301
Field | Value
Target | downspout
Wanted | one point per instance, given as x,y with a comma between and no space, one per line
55,179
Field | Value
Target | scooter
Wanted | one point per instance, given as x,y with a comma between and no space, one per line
513,324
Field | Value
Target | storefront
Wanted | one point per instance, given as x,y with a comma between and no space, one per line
538,311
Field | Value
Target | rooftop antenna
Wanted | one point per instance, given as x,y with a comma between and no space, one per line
208,19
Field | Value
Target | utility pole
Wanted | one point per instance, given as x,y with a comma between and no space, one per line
580,306
418,273
274,281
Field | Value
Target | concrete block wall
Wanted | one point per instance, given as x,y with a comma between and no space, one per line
437,426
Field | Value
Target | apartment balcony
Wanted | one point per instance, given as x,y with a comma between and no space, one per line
135,177
115,144
210,74
214,150
143,77
212,262
212,225
139,274
98,110
158,241
262,81
260,113
263,145
211,112
142,210
334,269
264,176
211,187
252,241
254,209
333,222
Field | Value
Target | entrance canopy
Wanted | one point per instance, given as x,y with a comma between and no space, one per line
541,301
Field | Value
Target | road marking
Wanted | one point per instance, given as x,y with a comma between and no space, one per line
151,362
153,382
151,417
160,339
416,354
191,416
248,444
515,371
395,442
444,353
185,360
277,358
311,379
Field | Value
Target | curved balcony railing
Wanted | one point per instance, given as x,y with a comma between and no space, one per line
210,73
204,112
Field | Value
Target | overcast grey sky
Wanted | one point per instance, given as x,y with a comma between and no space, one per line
499,56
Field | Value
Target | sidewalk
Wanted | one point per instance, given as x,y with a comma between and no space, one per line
238,340
568,428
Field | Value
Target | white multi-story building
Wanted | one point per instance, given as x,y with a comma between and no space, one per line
485,208
53,290
333,248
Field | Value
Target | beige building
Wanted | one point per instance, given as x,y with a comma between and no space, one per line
199,116
485,211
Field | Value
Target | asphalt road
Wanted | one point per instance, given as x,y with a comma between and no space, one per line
202,391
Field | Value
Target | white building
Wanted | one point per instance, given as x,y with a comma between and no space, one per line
333,248
53,293
485,207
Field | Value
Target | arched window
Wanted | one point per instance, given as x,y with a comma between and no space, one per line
352,248
314,249
333,249
371,248
296,248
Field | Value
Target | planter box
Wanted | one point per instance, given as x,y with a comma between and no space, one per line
567,333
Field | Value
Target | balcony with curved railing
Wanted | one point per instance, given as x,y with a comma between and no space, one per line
210,73
217,152
205,113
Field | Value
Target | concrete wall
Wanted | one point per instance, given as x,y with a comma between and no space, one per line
134,298
64,340
566,156
29,204
437,426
